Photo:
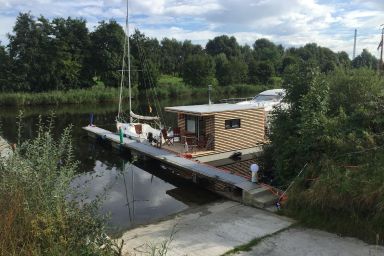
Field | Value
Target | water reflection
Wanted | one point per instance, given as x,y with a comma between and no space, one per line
135,194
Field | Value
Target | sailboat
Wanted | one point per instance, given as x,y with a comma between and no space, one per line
137,126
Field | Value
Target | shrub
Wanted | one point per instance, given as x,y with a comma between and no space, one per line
40,214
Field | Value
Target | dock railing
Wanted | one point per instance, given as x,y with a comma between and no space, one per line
235,100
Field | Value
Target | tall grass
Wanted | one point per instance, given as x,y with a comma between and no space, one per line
76,96
169,87
40,214
344,200
174,87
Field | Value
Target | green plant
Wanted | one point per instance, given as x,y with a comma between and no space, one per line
40,212
333,123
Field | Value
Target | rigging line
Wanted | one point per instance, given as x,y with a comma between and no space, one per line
359,151
148,76
126,193
293,181
155,98
150,81
133,190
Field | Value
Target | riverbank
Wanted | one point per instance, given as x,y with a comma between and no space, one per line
218,228
169,88
76,96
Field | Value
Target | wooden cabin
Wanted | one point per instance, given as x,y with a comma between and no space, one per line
219,128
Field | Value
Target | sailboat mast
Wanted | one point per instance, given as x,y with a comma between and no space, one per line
123,64
129,67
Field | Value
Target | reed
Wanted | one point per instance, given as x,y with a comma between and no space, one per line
347,201
76,96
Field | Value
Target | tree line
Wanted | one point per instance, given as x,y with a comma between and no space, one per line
62,54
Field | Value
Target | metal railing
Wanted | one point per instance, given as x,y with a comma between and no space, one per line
235,100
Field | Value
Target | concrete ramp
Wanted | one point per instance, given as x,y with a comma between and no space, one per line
208,230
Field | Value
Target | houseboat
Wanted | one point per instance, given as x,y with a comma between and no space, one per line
217,131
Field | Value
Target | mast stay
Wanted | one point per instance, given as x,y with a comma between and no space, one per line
126,55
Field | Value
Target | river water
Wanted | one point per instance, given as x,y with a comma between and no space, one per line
136,193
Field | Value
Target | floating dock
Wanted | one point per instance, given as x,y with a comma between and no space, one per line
220,181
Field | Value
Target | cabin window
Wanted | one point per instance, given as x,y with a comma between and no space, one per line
190,124
232,123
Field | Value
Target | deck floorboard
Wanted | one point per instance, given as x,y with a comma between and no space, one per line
169,157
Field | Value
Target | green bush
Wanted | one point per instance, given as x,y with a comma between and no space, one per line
40,213
334,125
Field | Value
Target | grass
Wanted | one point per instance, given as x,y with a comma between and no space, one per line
169,87
345,201
248,246
174,87
75,96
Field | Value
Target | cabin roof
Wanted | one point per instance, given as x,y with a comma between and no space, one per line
209,109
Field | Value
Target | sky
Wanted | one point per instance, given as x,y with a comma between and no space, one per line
329,23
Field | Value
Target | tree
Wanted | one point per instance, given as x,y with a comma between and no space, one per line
171,56
323,57
265,50
198,70
107,43
231,71
187,50
223,44
296,130
261,72
146,54
72,44
365,59
352,90
5,66
23,45
343,60
246,53
287,61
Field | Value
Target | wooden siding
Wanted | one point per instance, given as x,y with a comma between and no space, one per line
210,129
181,122
250,133
240,168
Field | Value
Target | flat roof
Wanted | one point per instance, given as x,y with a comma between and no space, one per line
210,109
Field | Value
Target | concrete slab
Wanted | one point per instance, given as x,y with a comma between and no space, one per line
303,242
208,230
259,197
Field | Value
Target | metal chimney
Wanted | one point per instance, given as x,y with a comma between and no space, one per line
209,94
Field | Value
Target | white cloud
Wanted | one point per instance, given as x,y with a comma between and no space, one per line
290,22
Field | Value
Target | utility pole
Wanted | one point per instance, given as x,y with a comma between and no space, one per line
380,66
354,46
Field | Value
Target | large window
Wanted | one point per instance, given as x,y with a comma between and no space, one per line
232,123
190,124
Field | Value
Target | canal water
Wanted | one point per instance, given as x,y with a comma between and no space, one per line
136,191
